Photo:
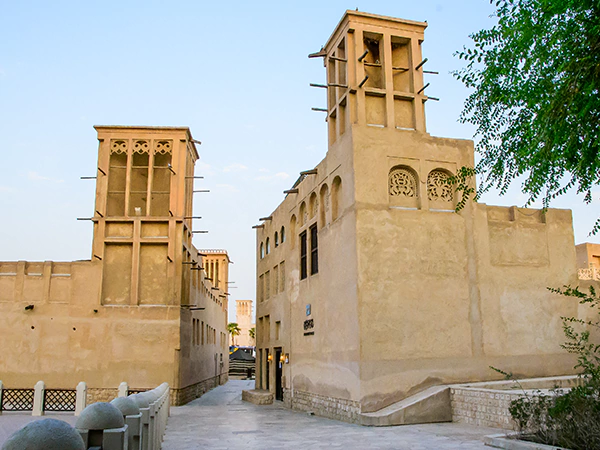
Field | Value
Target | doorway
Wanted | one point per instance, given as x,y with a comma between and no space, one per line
278,375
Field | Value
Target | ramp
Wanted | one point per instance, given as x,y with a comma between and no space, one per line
428,406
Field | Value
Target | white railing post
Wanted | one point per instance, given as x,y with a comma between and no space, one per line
80,398
123,388
38,399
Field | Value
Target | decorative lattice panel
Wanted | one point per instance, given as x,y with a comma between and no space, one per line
59,399
17,399
438,186
402,183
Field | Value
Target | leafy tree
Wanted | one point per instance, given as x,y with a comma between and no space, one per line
234,330
536,99
252,333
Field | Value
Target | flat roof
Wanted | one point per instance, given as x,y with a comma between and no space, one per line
350,12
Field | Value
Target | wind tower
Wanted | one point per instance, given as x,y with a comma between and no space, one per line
374,74
143,215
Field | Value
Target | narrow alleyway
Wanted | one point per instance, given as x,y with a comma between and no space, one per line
220,420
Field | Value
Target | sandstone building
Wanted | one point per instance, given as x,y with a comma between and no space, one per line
142,310
370,288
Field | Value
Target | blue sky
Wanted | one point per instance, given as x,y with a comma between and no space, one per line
236,73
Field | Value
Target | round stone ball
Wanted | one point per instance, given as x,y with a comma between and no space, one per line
151,395
126,405
45,434
100,416
140,400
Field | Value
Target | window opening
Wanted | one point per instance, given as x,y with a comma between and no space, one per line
314,251
303,250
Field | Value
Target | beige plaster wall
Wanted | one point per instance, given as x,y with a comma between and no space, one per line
77,339
588,255
327,361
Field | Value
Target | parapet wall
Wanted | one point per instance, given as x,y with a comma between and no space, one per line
43,282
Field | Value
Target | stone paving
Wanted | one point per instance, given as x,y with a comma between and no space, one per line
220,420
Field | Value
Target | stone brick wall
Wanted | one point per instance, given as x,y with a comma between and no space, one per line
194,391
483,407
95,395
330,407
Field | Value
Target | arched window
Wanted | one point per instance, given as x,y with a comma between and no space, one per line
268,245
293,231
336,190
403,183
439,190
323,205
276,239
313,205
282,234
403,187
303,214
262,251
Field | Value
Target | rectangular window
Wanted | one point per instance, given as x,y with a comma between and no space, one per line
282,276
277,330
267,329
275,280
303,261
314,251
267,285
202,332
260,288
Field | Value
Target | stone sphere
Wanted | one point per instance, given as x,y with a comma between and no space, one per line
140,400
126,405
100,416
45,434
151,395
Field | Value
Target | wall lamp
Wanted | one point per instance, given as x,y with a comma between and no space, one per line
270,358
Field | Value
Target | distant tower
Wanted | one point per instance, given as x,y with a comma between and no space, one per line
243,310
375,74
142,220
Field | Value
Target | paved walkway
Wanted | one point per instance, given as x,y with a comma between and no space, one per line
220,420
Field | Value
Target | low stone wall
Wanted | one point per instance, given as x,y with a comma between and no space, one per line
482,407
330,407
95,395
194,391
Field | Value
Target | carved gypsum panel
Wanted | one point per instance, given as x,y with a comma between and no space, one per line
438,187
118,146
402,183
162,147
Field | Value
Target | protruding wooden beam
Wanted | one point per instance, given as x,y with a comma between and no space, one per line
259,226
309,172
266,218
421,64
291,191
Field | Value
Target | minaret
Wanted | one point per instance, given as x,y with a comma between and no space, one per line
142,220
374,74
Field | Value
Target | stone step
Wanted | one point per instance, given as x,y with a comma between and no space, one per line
429,406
